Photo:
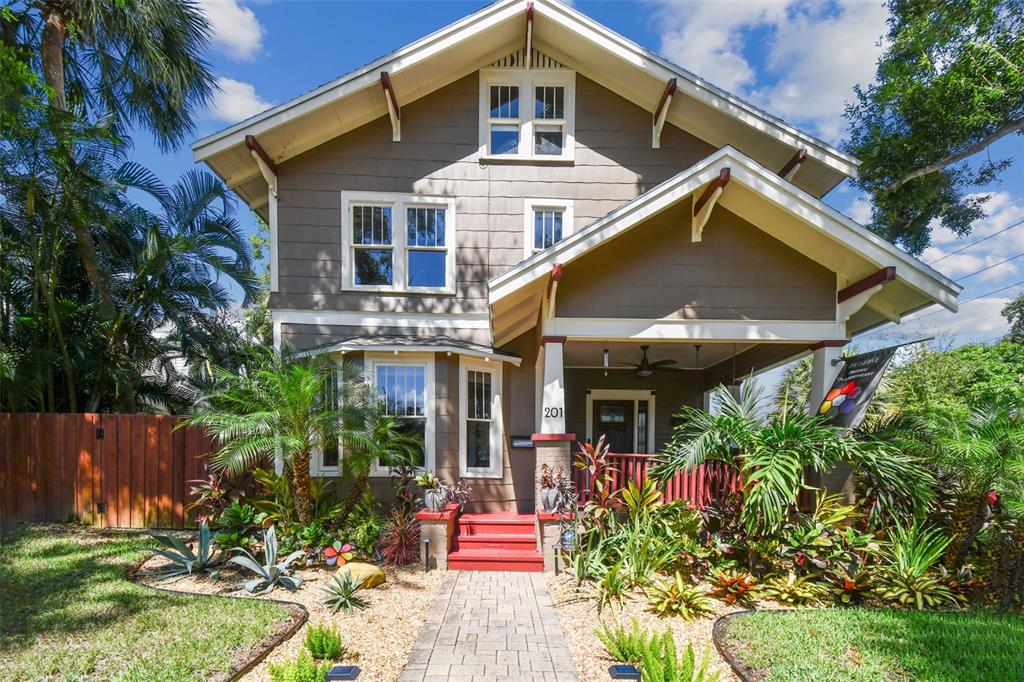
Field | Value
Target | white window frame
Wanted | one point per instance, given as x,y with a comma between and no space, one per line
426,360
316,465
496,470
532,204
635,395
527,80
399,238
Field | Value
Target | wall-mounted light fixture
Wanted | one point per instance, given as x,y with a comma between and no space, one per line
606,361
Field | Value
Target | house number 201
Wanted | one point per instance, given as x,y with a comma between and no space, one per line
553,412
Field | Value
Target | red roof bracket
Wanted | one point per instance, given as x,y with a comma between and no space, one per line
718,183
883,276
254,146
702,207
394,111
793,165
662,112
529,34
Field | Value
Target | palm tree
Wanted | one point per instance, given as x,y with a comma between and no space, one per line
983,456
772,450
139,62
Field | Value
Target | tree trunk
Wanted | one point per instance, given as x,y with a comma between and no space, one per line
969,517
352,499
52,51
301,487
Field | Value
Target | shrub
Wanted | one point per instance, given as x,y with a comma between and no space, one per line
215,493
907,577
364,525
271,573
238,523
341,593
793,590
324,643
183,560
301,669
655,655
734,587
679,598
612,586
400,542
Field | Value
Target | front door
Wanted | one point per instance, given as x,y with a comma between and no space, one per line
614,419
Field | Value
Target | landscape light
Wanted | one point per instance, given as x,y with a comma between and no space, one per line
345,672
623,671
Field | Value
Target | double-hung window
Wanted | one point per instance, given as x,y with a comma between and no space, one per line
545,223
405,384
326,458
398,243
527,114
480,429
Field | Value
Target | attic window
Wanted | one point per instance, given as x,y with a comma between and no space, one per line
527,114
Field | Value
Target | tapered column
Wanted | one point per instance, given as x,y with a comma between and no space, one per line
824,371
553,446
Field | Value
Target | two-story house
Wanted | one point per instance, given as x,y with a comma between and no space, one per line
531,231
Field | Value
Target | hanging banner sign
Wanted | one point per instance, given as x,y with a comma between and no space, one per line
847,402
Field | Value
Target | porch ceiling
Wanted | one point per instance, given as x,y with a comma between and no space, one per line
591,353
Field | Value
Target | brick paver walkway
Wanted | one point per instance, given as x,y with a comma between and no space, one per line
494,627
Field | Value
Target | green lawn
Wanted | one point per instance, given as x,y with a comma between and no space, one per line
862,645
66,612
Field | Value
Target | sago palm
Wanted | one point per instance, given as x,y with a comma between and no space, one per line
772,450
279,413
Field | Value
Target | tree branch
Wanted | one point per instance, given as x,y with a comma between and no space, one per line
1002,131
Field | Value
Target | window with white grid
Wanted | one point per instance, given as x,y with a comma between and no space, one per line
480,432
527,114
405,383
545,223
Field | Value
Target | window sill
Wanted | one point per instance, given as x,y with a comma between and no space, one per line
478,474
419,291
524,160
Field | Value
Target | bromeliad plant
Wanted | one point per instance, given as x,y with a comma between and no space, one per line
793,590
270,572
678,598
734,587
183,560
907,576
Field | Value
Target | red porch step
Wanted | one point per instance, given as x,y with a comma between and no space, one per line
502,541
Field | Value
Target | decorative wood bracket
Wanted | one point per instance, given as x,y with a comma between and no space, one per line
529,35
703,206
662,112
552,291
394,111
851,299
793,165
268,169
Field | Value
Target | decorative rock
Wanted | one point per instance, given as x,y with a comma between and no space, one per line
370,575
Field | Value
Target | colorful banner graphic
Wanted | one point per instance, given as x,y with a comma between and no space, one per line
847,403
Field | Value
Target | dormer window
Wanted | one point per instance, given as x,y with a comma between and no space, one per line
527,114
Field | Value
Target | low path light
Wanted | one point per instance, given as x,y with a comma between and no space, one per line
347,672
622,671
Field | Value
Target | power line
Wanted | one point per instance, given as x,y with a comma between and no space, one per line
962,303
983,239
989,267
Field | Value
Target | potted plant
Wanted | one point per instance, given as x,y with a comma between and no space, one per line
433,491
454,495
556,490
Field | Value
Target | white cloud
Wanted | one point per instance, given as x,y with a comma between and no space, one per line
235,30
860,210
236,101
981,320
814,54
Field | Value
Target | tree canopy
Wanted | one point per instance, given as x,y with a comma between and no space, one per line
950,83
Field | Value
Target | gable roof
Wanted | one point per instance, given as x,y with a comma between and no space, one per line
772,204
479,39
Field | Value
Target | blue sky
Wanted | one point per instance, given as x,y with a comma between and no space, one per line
799,60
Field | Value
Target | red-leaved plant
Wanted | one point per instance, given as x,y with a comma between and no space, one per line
600,479
400,541
734,587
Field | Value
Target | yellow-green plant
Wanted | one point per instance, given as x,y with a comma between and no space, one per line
907,576
794,590
678,598
324,643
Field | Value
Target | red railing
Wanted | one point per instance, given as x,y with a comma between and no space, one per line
702,485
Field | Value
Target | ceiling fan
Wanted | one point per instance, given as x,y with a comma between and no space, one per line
645,367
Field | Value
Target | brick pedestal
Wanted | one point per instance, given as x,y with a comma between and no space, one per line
439,528
548,532
555,450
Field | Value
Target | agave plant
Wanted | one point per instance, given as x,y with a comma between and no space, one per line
271,572
183,560
341,593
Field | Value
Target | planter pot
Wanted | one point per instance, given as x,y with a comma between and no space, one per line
549,499
432,499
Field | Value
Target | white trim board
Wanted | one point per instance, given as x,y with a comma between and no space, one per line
776,331
346,347
624,394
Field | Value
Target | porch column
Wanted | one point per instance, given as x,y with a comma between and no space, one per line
823,372
553,445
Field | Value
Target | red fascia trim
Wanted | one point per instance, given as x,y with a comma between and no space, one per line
389,90
798,158
837,343
254,145
553,339
720,182
881,277
553,437
670,89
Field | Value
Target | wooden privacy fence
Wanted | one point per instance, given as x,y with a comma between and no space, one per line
109,470
702,485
